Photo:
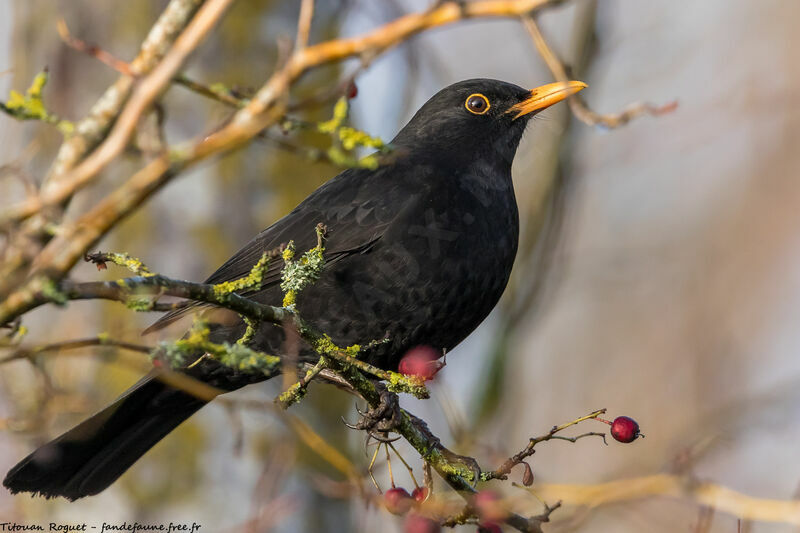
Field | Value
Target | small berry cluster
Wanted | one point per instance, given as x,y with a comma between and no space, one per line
398,501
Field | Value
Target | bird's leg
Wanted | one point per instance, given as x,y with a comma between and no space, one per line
372,465
405,463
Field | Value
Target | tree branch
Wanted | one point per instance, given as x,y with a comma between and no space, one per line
143,97
576,103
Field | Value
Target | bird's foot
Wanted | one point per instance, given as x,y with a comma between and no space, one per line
383,418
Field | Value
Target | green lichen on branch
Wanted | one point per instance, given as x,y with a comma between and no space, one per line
396,382
297,391
51,292
339,157
299,274
250,330
124,260
238,356
140,304
30,106
250,282
346,139
340,111
414,430
352,138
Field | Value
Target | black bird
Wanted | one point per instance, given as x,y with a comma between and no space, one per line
419,251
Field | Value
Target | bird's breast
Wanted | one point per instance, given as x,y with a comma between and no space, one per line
447,263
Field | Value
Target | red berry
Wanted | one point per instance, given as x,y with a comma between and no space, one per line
352,90
419,524
421,362
490,506
489,527
420,494
397,500
624,429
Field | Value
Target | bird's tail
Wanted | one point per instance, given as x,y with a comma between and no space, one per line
91,456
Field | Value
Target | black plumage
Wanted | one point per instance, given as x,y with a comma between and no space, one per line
418,251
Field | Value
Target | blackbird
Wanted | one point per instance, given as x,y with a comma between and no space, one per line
418,251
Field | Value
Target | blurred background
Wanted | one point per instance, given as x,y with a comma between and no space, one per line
659,275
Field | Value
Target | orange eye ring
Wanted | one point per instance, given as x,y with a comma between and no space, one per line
477,104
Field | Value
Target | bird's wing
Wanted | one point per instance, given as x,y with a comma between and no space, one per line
355,223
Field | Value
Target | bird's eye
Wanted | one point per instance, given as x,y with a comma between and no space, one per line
477,104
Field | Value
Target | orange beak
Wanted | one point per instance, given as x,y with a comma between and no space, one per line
545,96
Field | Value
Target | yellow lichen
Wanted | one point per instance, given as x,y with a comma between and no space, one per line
30,106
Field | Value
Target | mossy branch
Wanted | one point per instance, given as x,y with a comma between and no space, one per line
345,139
299,274
124,260
237,356
136,293
30,106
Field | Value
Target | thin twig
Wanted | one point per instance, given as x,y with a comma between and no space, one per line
100,340
210,92
304,24
504,469
721,498
93,50
576,103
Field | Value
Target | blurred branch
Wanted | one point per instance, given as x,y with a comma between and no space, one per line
576,103
57,347
216,92
92,129
675,486
304,23
30,106
144,95
22,246
93,50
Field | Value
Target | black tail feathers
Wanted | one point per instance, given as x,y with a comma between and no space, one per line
91,456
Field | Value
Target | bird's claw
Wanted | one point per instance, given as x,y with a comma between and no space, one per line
381,419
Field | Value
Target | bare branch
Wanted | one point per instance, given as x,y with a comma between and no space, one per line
92,129
93,50
304,24
56,347
576,103
504,469
145,94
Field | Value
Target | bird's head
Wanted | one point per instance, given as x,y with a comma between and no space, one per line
478,119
